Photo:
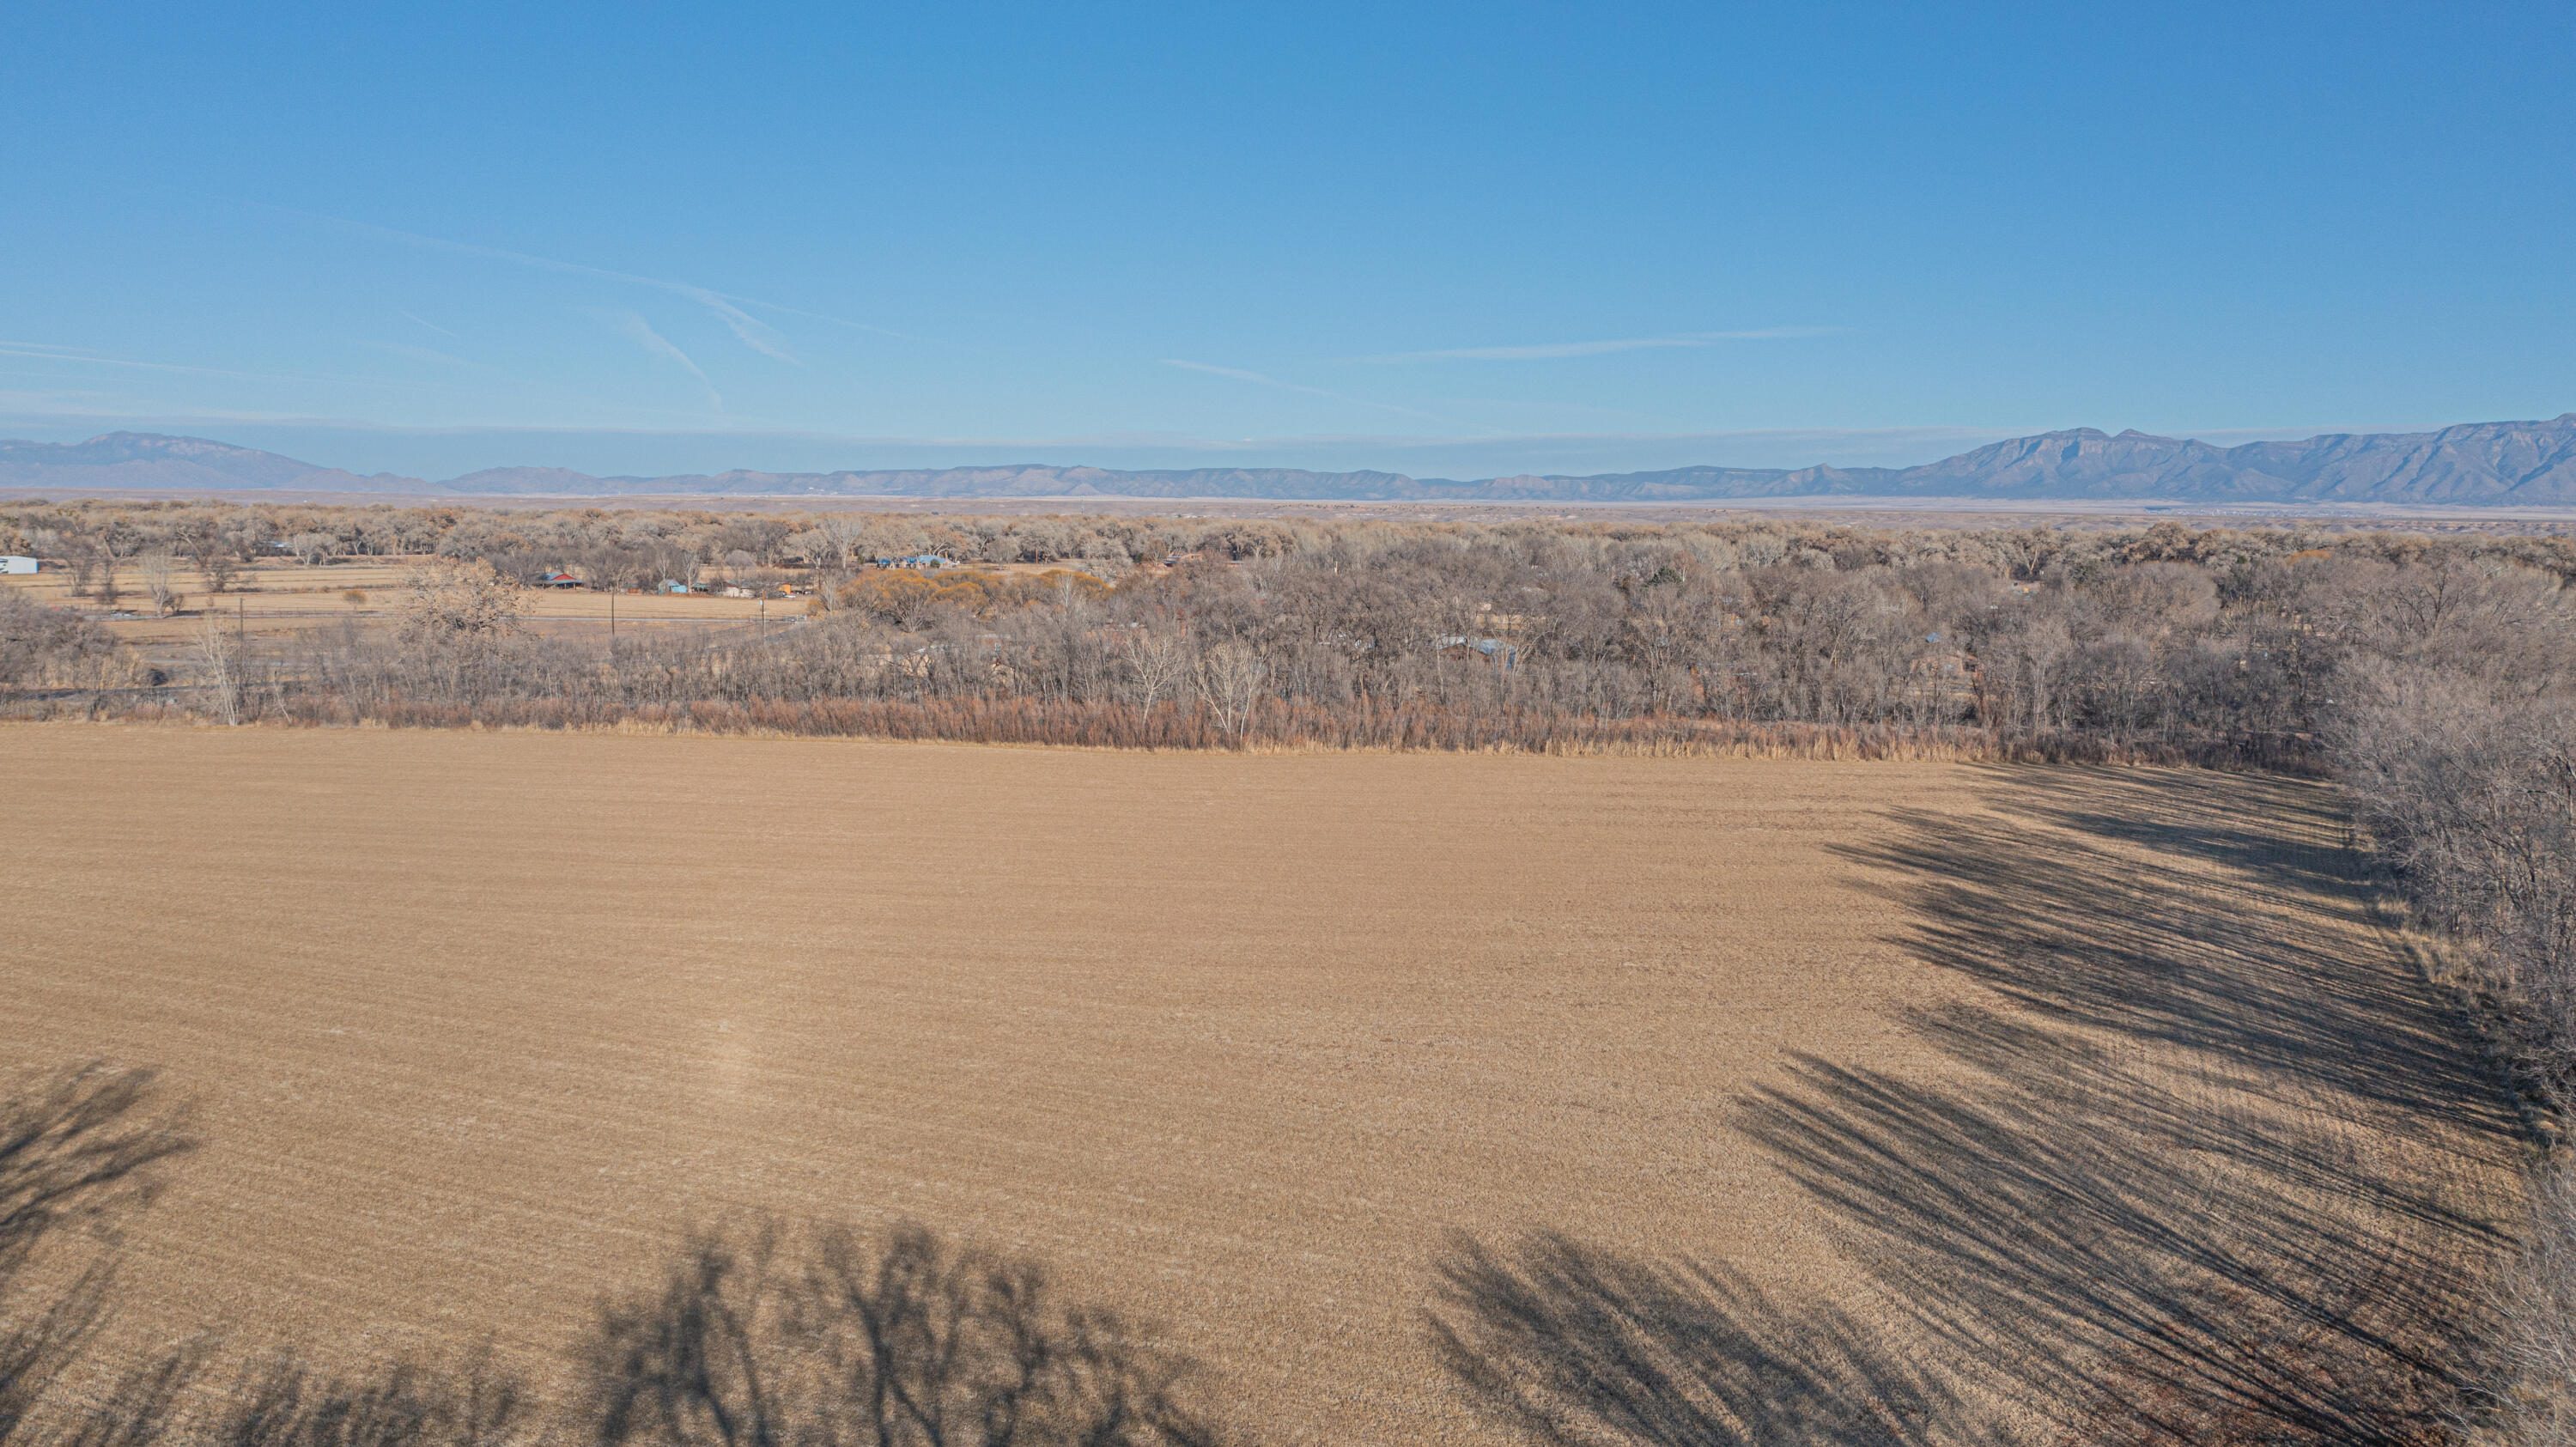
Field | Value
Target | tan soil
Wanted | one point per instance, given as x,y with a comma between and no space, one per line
480,1022
274,599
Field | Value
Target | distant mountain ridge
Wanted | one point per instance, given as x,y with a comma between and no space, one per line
2478,464
150,460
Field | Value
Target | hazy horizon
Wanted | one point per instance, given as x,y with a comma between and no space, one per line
437,456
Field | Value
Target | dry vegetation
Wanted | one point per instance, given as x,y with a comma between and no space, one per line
1414,1098
2160,643
1586,1100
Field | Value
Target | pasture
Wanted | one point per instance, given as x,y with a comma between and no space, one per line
2064,1085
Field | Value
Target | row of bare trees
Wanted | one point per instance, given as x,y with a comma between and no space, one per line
2252,660
602,544
2461,765
2161,643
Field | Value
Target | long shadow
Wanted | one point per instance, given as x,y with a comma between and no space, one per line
823,1336
781,1339
2194,1174
1574,1344
2077,930
78,1148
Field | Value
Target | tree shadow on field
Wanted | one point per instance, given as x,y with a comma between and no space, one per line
2204,1169
1572,1344
820,1336
767,1337
79,1148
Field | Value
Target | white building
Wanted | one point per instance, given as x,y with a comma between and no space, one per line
11,563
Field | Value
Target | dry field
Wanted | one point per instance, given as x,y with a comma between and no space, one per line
2078,1087
279,598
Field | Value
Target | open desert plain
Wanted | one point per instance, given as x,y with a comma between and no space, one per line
1690,1100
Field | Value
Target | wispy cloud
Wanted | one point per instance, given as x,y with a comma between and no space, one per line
727,306
1240,375
1259,380
642,334
1545,351
420,354
55,405
42,351
433,326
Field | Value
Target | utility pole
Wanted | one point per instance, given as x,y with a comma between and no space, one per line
764,622
612,617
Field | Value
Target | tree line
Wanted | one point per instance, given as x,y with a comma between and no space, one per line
2156,643
2163,642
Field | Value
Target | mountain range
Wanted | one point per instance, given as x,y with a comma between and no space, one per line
2478,464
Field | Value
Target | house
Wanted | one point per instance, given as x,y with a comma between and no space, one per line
559,580
673,585
13,563
1461,646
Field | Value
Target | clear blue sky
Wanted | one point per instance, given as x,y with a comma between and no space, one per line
1460,240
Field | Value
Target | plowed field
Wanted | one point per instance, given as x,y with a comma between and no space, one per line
2041,1079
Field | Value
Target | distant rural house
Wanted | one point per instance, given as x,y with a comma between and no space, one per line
559,580
1461,646
13,563
673,585
922,561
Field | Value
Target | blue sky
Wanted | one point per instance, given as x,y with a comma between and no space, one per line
1457,240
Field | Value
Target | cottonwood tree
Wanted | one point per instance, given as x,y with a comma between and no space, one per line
456,618
216,556
1159,662
846,530
1230,678
218,651
161,581
41,645
118,541
99,577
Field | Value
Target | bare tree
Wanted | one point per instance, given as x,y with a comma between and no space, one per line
219,568
2536,1308
846,531
1159,662
161,581
217,559
313,549
218,658
1230,678
41,645
118,541
457,617
103,560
